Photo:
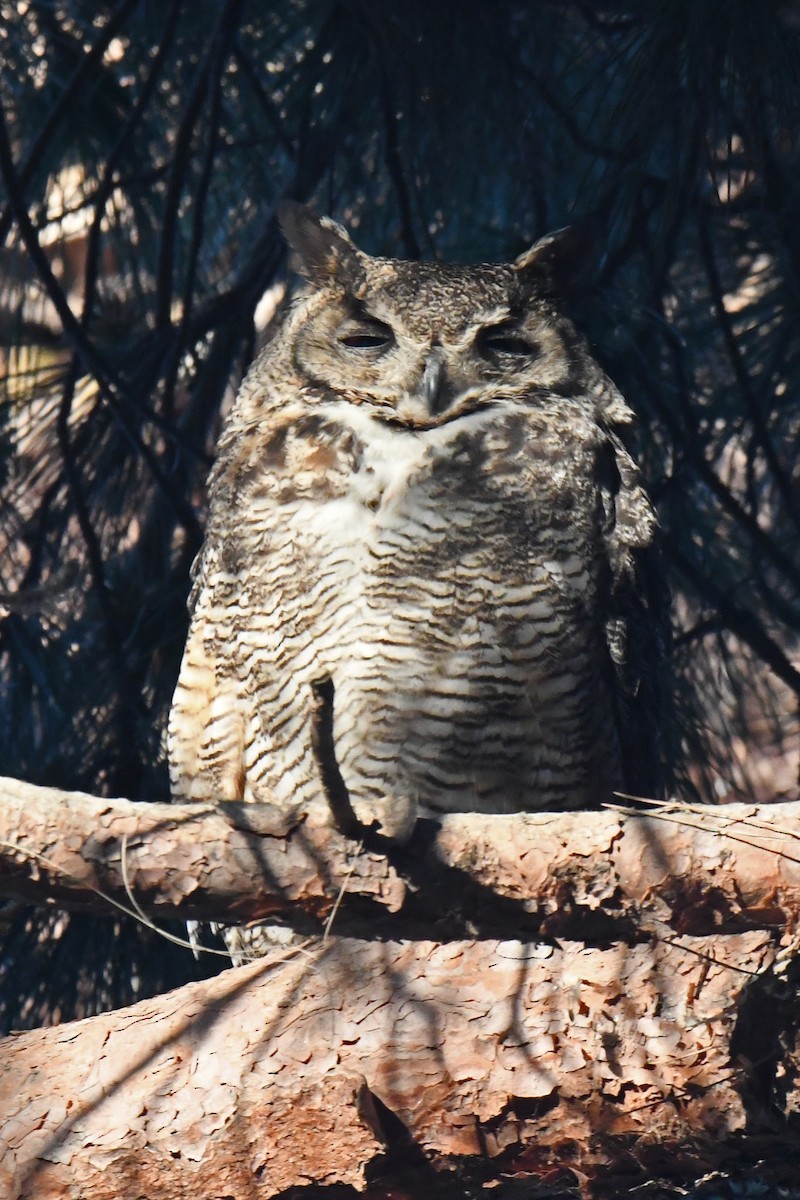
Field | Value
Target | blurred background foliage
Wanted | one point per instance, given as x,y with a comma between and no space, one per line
143,149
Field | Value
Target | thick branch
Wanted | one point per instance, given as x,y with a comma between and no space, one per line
354,1058
589,874
358,1059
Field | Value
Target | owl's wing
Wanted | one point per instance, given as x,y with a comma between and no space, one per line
637,621
206,724
244,705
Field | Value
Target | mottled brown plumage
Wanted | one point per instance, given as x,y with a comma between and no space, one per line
422,499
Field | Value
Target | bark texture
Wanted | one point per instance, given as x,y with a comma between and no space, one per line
609,995
519,1057
590,874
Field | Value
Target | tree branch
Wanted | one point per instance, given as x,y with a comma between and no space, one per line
76,336
356,1060
608,1038
783,482
697,870
64,104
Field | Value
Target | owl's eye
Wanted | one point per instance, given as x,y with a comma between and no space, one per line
365,335
506,343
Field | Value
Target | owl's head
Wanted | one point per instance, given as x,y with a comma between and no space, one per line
419,343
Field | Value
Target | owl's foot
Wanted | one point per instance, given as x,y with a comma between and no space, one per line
392,817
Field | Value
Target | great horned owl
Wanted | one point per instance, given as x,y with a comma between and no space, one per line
422,515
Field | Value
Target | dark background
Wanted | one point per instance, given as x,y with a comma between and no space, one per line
143,149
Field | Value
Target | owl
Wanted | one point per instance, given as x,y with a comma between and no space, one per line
427,583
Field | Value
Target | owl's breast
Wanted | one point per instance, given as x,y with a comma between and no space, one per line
457,570
487,503
337,460
446,580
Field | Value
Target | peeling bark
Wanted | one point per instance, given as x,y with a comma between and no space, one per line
586,874
510,1057
356,1062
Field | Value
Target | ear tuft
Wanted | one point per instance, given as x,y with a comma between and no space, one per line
322,251
561,261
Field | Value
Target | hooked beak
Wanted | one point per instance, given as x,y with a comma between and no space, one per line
433,382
